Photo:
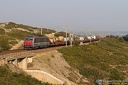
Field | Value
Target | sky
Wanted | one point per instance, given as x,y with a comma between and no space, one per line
75,15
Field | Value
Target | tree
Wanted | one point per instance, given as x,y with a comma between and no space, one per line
125,37
4,44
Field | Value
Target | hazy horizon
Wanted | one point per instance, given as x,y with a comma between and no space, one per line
79,16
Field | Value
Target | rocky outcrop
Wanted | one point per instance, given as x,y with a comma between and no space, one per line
53,63
18,46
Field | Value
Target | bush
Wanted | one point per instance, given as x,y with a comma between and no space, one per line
94,60
4,44
2,32
125,37
116,74
76,43
7,77
18,34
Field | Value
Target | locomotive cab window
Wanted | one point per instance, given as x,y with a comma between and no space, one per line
28,39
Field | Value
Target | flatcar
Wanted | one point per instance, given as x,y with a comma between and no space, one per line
36,41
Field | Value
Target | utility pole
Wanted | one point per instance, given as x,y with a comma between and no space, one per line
71,38
90,36
41,31
66,35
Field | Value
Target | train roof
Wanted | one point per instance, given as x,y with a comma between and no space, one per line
37,36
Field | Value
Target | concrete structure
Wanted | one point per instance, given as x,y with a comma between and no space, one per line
18,62
3,61
21,60
18,59
45,77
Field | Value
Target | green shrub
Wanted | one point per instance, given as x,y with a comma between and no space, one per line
10,25
76,43
7,77
125,37
18,34
94,60
116,74
2,32
4,44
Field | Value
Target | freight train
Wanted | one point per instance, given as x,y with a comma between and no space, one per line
42,41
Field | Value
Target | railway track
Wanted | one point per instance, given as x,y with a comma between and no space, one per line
21,52
11,51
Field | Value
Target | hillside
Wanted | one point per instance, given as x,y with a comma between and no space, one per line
82,65
107,59
11,33
8,77
53,63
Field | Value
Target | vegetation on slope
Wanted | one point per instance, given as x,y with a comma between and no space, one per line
11,33
11,78
2,31
18,34
4,43
11,25
125,37
107,59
